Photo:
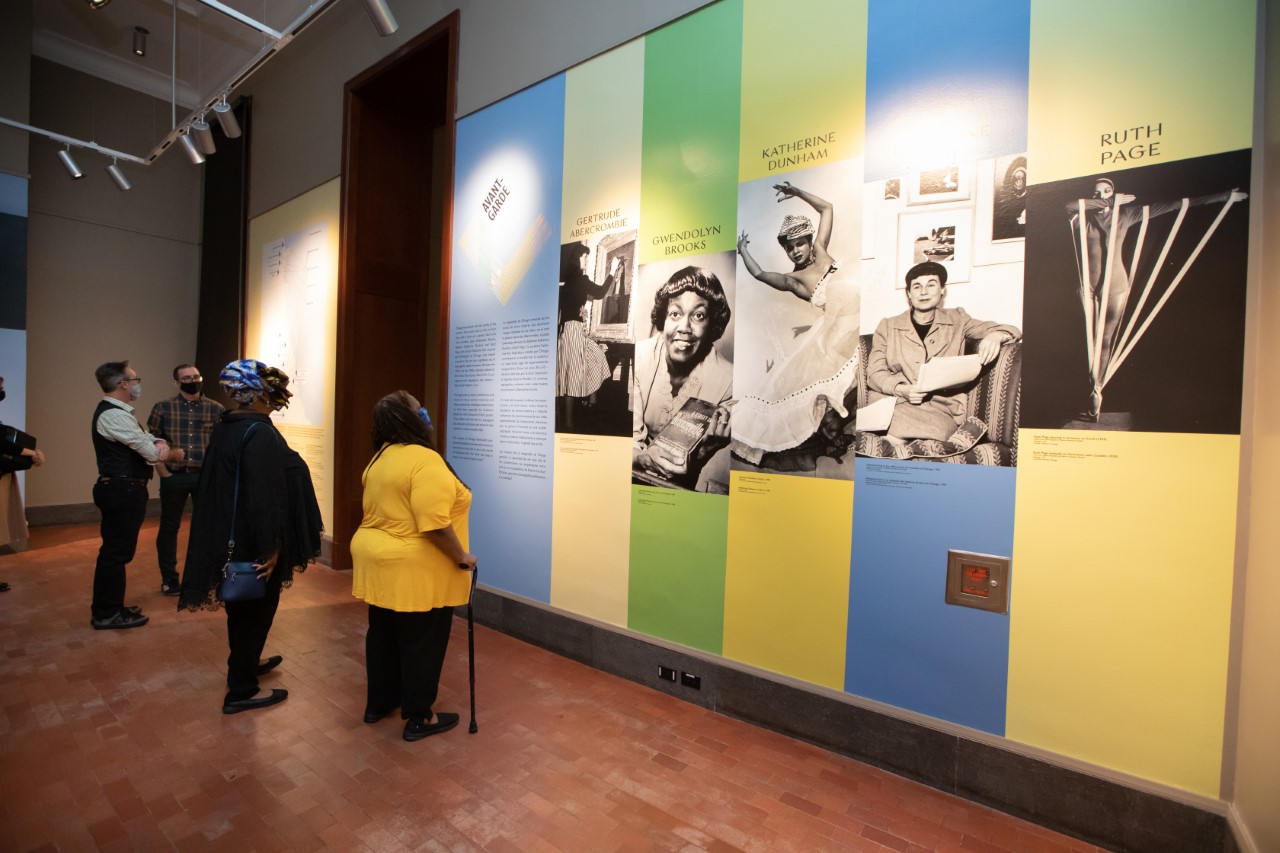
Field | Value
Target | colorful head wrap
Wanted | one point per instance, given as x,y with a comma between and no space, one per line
793,227
247,379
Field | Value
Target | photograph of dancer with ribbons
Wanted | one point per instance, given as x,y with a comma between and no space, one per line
1156,275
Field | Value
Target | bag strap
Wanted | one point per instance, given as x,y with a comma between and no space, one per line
235,496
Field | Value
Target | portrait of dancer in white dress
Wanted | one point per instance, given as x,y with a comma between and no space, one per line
800,408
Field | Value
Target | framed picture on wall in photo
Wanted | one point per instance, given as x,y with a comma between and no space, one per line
946,183
1000,211
1009,198
945,236
615,261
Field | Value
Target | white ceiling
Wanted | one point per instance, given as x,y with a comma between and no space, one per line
213,47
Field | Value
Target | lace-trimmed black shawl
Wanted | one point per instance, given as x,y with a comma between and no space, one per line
277,508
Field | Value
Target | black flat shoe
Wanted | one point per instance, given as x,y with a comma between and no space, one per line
371,716
417,730
269,664
237,705
120,619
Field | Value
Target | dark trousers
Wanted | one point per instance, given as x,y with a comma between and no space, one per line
404,653
174,491
123,505
248,623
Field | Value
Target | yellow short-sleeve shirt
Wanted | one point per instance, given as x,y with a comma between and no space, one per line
408,490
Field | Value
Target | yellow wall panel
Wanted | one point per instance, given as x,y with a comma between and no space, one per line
1099,69
591,526
1122,577
789,541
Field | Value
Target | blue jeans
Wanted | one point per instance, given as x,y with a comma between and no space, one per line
174,491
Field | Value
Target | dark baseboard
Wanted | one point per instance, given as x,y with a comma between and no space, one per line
48,516
1103,812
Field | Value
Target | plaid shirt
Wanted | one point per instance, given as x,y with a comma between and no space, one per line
185,423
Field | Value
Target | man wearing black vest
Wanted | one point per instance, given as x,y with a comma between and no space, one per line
125,455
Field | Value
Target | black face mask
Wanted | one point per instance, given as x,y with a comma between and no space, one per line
1,393
190,387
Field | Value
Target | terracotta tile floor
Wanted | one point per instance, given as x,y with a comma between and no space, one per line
115,740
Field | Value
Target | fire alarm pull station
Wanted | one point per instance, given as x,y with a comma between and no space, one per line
978,580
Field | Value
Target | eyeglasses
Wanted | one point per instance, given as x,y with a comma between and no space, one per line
133,379
195,378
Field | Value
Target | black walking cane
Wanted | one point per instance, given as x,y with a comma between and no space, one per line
471,644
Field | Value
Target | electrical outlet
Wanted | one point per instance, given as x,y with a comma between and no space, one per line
688,679
666,673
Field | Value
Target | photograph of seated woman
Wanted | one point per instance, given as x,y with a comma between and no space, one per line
581,363
926,330
411,564
799,414
678,364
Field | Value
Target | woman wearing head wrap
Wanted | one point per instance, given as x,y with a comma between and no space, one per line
276,523
410,564
800,406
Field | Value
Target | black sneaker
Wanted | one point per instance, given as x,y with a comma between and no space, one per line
173,587
122,619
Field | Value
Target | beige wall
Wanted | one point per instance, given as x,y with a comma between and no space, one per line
110,274
1256,782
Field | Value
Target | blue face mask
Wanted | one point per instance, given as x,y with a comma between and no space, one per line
422,414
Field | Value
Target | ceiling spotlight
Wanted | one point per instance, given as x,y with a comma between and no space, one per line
193,153
118,176
72,169
382,17
139,40
226,118
97,4
203,136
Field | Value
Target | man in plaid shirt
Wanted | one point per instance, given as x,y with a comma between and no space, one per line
184,421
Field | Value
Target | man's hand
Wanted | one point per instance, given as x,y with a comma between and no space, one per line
177,454
162,449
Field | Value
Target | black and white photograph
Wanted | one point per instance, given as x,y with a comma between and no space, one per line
943,184
1009,202
593,339
944,236
798,251
940,352
1137,280
682,387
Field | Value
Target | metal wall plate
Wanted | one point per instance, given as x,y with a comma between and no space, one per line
978,580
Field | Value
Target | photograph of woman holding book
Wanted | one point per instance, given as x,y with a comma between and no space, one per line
926,330
683,386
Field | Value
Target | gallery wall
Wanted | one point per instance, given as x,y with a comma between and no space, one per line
802,538
1255,777
111,275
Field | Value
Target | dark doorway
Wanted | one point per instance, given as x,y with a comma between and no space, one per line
397,182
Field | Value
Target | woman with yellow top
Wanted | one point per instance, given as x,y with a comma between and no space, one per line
411,565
